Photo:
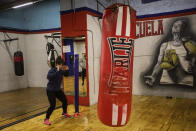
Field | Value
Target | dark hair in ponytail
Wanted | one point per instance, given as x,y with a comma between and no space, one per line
59,61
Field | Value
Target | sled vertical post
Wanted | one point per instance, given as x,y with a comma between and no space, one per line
76,70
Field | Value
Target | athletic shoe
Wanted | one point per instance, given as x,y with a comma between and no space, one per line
77,114
47,122
66,115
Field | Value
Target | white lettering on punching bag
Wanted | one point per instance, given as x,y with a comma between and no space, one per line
121,52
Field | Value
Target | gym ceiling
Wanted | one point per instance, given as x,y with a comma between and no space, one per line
7,4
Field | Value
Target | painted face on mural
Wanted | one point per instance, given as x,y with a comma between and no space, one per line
177,29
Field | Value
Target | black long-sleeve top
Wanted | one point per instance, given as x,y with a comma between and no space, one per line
55,79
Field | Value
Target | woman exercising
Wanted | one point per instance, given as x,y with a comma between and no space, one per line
54,90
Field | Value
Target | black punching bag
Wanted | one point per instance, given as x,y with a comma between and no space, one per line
18,63
52,59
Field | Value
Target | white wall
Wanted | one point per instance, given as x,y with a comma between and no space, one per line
8,79
33,47
37,59
145,54
94,54
145,49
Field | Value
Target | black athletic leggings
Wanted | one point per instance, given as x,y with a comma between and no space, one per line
52,95
83,75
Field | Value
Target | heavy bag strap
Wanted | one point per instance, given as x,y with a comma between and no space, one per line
52,59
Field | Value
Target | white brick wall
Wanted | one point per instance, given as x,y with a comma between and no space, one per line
8,79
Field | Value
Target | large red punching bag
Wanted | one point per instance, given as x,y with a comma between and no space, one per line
18,63
115,86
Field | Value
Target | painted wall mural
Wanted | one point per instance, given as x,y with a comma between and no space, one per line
176,58
168,54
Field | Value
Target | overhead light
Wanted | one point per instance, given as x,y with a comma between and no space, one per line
22,5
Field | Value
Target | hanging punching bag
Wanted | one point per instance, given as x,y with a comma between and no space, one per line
51,54
52,59
18,63
115,85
